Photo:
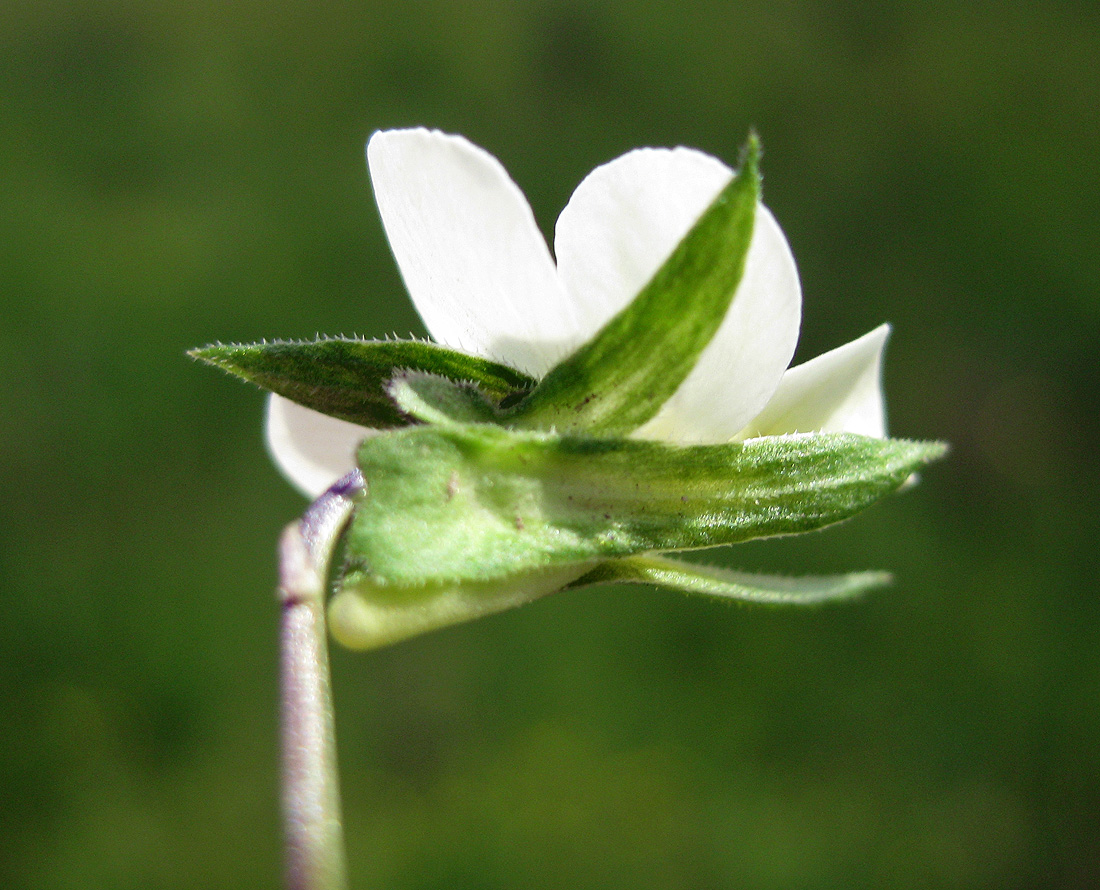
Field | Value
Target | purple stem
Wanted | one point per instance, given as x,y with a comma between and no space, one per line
311,791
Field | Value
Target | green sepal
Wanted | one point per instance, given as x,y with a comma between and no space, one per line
769,590
434,399
450,504
620,378
347,378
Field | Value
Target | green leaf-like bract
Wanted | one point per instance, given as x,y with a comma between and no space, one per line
478,502
348,379
620,378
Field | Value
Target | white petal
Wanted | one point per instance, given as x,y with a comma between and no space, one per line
312,449
624,220
473,259
622,223
838,392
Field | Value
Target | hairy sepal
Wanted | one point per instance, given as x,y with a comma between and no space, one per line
349,379
471,502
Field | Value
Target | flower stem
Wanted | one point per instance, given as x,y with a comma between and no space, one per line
315,857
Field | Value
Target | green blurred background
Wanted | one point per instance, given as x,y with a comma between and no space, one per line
172,174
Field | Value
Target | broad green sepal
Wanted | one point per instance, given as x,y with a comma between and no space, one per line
619,379
769,590
468,502
347,378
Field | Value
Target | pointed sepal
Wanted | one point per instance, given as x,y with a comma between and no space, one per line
348,378
768,590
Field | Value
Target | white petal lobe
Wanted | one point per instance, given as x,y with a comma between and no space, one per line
311,449
837,392
473,259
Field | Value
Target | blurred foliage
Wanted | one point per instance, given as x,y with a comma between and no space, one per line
172,174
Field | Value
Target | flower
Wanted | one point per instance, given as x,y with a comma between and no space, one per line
483,280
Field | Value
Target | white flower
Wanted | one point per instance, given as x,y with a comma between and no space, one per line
482,278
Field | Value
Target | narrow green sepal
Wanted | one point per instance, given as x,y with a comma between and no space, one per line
620,378
347,378
457,503
769,590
